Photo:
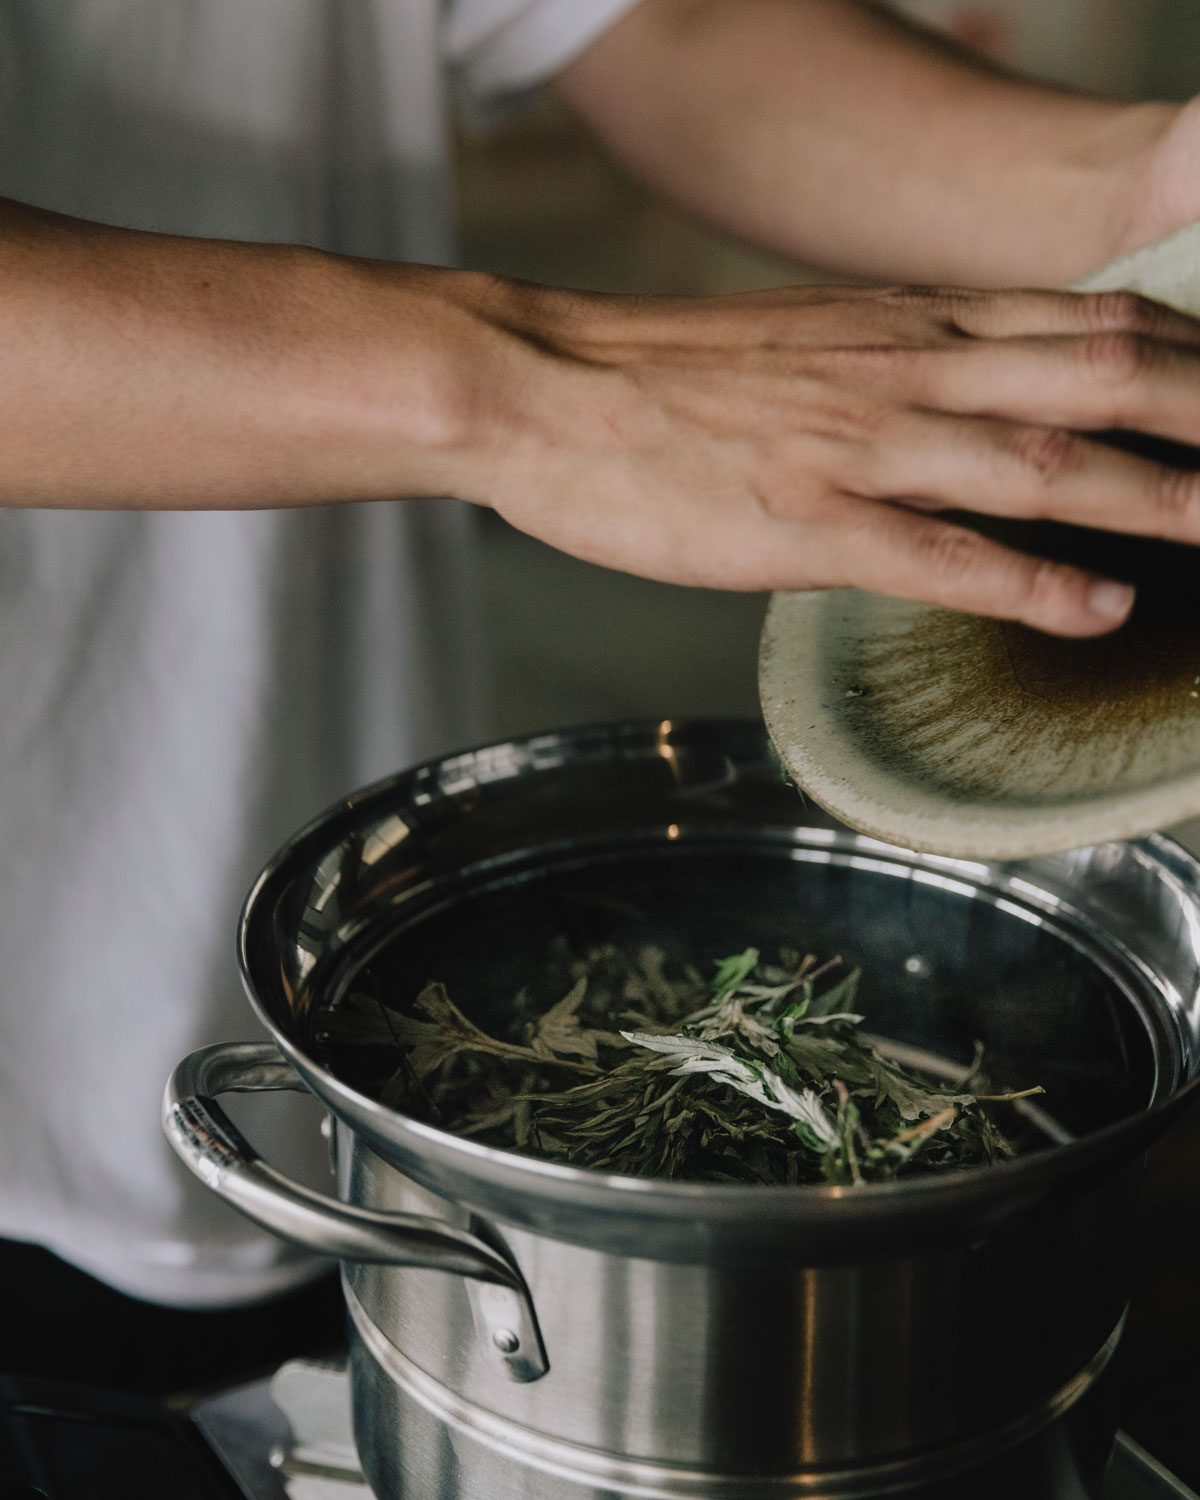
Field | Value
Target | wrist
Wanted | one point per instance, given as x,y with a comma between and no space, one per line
158,371
1147,183
422,381
374,369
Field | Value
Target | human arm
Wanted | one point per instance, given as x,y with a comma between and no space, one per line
148,370
836,133
782,440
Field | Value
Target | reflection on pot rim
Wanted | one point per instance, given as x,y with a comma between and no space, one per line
435,834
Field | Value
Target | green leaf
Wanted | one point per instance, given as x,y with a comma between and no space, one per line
732,972
765,1077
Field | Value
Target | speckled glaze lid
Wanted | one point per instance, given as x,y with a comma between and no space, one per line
980,738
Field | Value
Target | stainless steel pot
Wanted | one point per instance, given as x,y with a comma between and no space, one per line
520,1328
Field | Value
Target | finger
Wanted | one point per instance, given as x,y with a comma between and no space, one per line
912,556
1031,314
1030,471
1021,313
1103,380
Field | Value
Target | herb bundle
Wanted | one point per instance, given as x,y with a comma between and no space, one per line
763,1075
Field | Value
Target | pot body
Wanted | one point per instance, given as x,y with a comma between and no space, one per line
701,1340
897,1374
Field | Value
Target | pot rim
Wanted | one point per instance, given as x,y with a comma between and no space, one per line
451,1164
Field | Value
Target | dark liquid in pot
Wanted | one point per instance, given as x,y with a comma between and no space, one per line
941,968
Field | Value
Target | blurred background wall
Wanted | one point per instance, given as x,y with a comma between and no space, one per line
571,643
1171,66
1097,44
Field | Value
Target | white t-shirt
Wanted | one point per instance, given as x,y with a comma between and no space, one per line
178,692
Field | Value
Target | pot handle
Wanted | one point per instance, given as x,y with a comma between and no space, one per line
216,1151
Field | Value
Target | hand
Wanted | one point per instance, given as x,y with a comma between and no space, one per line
1162,178
804,439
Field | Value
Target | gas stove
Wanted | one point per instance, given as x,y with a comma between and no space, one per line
285,1438
289,1438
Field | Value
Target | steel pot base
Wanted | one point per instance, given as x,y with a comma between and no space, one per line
421,1439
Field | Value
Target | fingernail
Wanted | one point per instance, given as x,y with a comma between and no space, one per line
1111,601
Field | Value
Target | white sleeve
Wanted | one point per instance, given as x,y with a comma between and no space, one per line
497,50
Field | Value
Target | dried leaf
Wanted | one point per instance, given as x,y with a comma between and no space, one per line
559,1030
764,1078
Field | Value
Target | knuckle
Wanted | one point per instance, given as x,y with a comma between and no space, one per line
1176,499
888,365
776,500
910,296
784,491
848,418
1047,453
927,297
842,449
931,315
951,554
1128,311
1118,358
1039,583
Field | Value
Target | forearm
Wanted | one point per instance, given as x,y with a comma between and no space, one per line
829,131
785,440
151,371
